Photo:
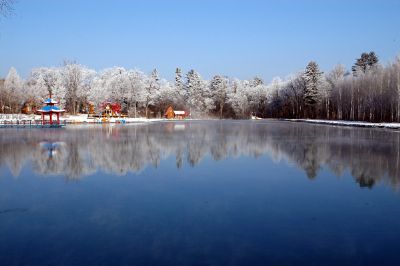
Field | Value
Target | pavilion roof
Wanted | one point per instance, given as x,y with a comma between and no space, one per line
50,100
49,108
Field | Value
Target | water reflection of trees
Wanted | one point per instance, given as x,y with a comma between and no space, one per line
370,155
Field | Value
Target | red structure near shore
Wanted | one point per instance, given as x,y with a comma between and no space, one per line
49,109
170,113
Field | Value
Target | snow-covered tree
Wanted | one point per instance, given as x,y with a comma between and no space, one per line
257,81
151,93
6,7
195,87
100,90
179,87
366,62
13,91
219,87
312,75
168,95
136,89
118,85
238,98
77,81
333,78
44,81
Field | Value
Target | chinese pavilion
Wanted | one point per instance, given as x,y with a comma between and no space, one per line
49,109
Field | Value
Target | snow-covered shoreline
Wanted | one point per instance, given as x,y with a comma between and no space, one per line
347,123
84,119
73,119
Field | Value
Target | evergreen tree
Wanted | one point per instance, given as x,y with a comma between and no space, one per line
6,7
179,87
194,90
13,88
312,76
257,81
152,91
178,79
218,87
366,62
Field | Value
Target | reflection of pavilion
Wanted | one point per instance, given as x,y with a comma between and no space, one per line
52,148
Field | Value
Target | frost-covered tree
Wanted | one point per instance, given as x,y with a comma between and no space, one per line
219,87
334,78
257,81
237,98
373,95
180,88
13,91
366,62
77,81
46,81
178,79
118,86
396,68
312,76
6,7
136,88
100,90
168,95
195,90
151,93
42,82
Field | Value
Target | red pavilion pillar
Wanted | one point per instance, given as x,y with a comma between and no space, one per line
51,117
58,118
42,118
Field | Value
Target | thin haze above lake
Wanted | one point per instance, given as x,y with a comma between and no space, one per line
369,155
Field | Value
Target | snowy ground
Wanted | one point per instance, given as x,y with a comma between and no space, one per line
348,123
81,118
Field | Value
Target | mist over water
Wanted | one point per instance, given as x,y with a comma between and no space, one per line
370,155
199,193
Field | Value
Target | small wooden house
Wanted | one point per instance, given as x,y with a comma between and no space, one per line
29,107
112,110
170,113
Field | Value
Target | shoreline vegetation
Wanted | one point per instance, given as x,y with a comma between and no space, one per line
369,92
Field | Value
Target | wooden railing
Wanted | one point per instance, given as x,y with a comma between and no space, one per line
31,123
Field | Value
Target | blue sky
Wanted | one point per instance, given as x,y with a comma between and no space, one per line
235,38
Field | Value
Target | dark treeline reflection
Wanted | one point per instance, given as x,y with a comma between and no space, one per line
370,155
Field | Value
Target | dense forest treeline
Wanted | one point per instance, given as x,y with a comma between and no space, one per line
370,92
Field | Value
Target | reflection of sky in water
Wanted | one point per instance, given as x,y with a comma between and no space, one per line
233,200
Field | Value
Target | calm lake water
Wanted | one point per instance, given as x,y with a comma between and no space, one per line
200,193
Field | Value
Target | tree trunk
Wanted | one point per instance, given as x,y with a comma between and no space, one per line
327,109
398,95
135,108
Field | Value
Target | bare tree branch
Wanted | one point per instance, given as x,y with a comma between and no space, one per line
7,7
